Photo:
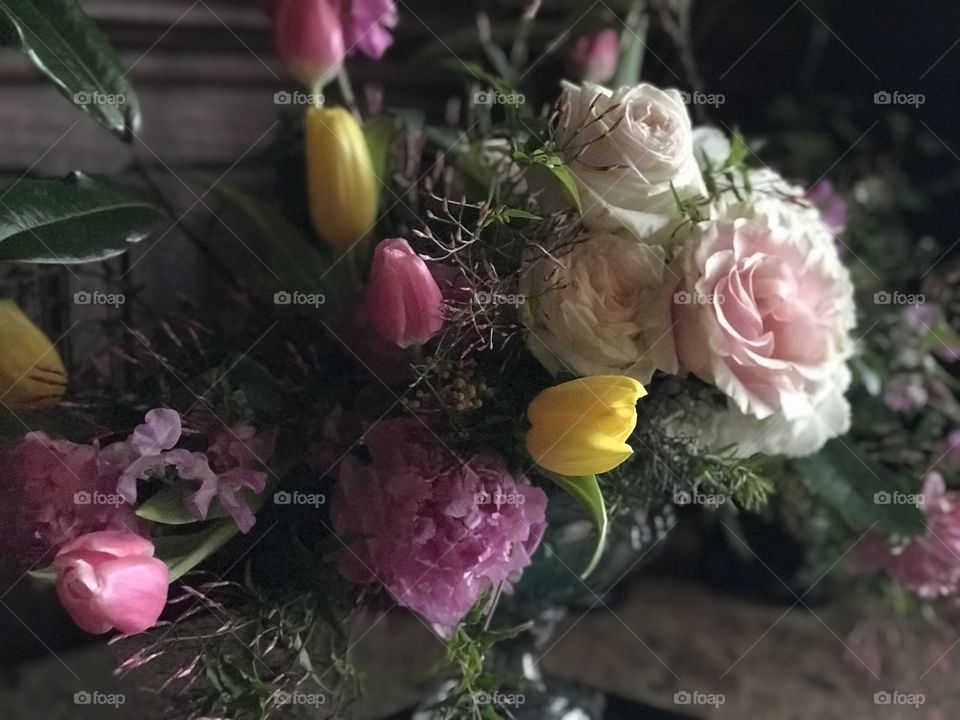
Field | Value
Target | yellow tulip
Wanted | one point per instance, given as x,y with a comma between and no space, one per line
341,181
31,371
581,427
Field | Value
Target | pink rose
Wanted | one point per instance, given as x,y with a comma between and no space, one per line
110,579
764,314
403,301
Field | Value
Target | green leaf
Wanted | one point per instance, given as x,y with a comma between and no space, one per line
632,45
166,507
68,47
78,219
379,131
586,490
855,487
293,256
182,553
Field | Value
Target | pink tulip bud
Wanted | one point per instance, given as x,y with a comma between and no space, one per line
110,579
310,40
594,58
403,301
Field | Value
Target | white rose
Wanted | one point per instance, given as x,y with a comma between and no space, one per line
602,306
624,149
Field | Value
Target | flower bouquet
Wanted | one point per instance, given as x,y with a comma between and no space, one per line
461,336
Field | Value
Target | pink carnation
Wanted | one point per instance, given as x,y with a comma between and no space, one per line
929,564
436,532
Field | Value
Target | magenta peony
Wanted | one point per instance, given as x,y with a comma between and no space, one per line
929,565
434,531
109,580
403,301
55,491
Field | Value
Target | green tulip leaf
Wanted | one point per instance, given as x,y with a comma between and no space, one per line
182,553
67,46
587,492
74,220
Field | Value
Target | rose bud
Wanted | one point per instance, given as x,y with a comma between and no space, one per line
594,58
309,38
342,184
581,427
403,300
31,371
110,579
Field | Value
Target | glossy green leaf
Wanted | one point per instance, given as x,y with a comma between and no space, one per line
67,46
182,553
860,490
586,490
166,507
78,219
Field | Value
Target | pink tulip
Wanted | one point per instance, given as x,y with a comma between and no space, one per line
310,39
110,579
594,58
403,301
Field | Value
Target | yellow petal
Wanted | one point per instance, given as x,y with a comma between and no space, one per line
581,427
31,371
342,186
